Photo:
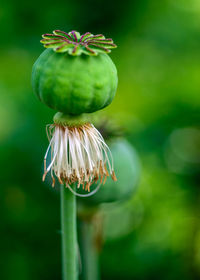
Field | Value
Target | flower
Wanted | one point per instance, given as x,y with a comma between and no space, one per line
76,44
79,156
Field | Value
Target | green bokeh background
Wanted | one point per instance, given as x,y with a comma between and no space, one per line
157,103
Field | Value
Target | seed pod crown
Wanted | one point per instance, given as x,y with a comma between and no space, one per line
76,44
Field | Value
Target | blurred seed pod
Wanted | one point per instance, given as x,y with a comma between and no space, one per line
127,166
182,151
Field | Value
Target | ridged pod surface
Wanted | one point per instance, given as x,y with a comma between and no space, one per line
74,84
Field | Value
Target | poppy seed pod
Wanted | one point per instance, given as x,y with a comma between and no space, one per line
75,76
128,169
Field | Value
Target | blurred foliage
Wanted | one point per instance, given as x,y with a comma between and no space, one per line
157,103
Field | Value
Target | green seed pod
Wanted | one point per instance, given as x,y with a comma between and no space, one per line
76,75
127,167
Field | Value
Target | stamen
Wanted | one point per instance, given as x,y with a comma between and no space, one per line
79,156
114,176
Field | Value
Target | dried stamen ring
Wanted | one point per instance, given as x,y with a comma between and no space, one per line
79,154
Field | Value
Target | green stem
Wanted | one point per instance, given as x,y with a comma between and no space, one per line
89,253
69,234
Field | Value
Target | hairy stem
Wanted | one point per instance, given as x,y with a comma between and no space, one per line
69,235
